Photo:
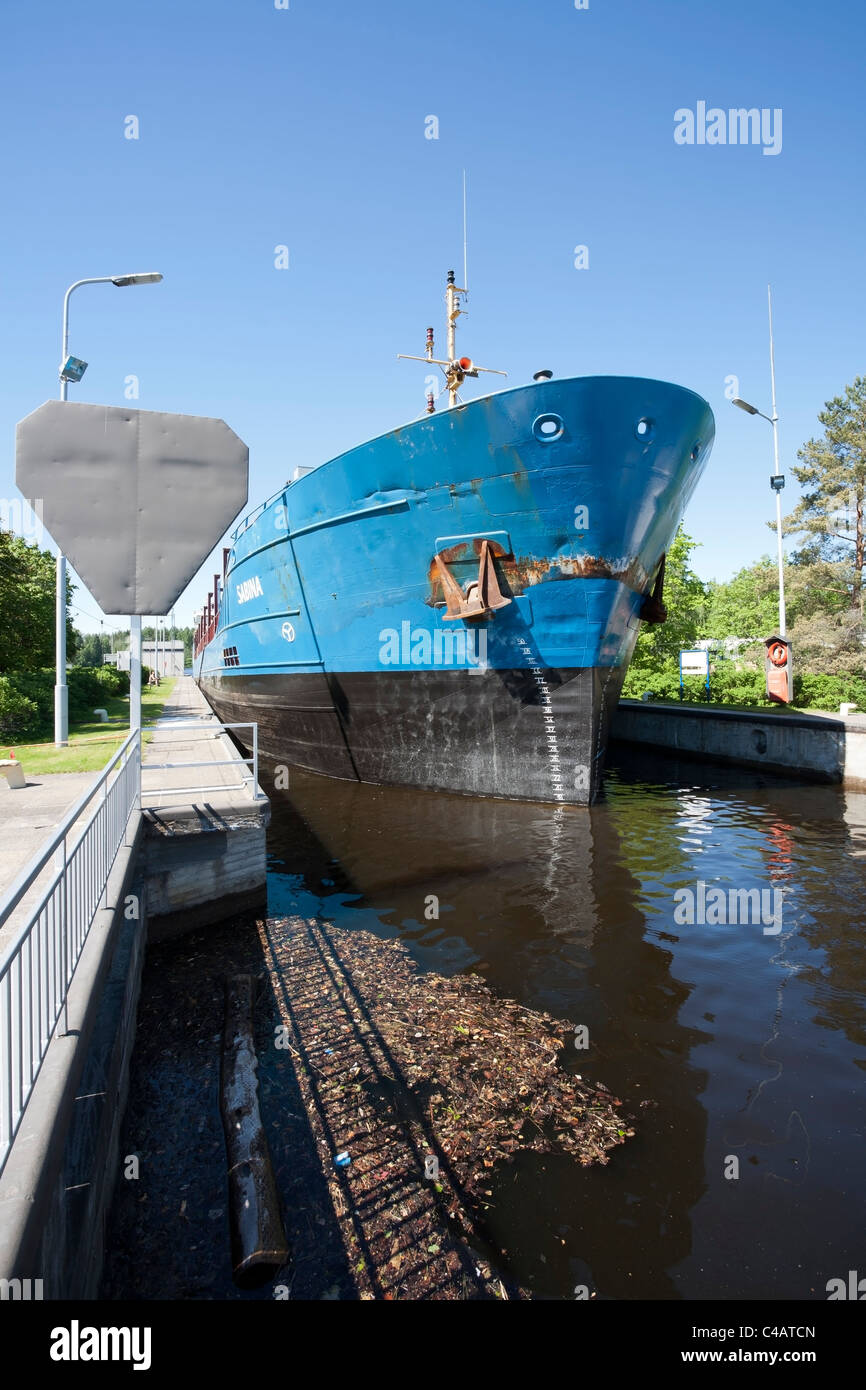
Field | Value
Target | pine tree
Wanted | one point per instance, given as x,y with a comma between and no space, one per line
833,475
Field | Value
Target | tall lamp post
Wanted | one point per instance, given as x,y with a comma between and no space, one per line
73,369
777,481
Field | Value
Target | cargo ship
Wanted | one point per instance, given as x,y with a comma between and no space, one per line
453,605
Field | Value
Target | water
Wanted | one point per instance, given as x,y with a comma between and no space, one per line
749,1044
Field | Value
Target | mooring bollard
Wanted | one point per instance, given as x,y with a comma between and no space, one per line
259,1244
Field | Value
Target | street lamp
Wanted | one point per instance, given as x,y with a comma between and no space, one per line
76,371
73,369
777,481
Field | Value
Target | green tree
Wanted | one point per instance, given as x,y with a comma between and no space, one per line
814,586
832,474
828,643
685,598
747,605
27,597
90,651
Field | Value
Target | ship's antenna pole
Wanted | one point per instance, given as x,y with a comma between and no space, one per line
465,270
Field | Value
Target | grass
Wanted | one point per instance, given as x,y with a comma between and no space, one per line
91,743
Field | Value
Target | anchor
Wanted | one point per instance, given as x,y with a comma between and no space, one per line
483,595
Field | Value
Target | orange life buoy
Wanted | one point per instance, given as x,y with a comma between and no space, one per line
778,654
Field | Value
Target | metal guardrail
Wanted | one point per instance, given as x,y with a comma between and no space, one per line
38,963
213,730
37,966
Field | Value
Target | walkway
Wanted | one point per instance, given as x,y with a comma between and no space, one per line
217,786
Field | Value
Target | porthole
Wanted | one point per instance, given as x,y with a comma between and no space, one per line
644,429
546,428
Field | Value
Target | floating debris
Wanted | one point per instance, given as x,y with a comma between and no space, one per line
436,1082
426,1120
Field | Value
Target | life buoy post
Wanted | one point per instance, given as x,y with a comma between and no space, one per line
779,670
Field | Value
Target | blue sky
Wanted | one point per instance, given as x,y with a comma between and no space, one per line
305,127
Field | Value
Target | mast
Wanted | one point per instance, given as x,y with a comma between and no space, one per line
455,369
453,313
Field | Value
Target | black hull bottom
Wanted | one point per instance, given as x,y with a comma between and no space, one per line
519,734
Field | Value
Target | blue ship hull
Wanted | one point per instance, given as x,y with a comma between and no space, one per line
346,625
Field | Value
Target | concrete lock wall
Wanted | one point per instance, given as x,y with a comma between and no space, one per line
201,869
817,747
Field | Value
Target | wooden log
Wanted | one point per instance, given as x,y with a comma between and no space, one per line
259,1245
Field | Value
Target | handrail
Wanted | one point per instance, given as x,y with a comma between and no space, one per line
38,964
247,521
28,875
217,728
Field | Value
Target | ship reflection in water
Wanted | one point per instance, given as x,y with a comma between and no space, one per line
747,1038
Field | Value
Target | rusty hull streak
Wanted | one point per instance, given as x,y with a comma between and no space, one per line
524,572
